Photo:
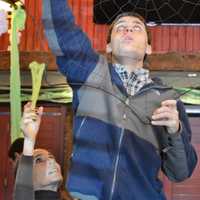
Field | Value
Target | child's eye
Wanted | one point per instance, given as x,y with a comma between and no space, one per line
38,160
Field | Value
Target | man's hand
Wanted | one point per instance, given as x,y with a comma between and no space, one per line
30,122
167,115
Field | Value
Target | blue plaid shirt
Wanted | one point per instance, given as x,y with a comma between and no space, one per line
133,81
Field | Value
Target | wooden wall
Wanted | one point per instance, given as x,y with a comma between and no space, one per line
184,39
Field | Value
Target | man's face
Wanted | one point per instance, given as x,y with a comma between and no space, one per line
46,171
129,38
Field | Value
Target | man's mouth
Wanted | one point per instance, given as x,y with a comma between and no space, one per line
127,39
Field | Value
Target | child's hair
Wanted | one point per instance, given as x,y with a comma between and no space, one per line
16,147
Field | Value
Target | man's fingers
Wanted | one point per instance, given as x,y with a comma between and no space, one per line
162,115
165,115
167,123
165,119
162,109
169,103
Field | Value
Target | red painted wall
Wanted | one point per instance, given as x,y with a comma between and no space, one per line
184,39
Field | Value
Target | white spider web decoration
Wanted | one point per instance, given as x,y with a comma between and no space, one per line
157,11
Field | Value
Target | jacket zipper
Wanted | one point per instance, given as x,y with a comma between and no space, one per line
82,123
78,133
116,166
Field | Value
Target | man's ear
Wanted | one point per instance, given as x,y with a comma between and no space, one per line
108,48
148,49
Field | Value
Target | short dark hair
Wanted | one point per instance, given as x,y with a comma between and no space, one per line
127,14
16,147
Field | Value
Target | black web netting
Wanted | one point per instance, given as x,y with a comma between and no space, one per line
157,11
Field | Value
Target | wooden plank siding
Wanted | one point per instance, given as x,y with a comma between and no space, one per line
183,39
188,189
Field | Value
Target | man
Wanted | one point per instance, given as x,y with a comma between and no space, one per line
38,174
127,126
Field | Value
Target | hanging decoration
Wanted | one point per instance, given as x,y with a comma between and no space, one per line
36,73
18,17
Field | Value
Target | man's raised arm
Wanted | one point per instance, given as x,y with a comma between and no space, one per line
67,41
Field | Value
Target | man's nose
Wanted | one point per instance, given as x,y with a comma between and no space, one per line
128,29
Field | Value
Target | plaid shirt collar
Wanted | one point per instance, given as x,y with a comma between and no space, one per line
133,81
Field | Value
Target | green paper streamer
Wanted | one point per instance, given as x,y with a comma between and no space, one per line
191,96
17,24
37,73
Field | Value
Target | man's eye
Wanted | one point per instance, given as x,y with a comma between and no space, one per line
137,28
120,28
